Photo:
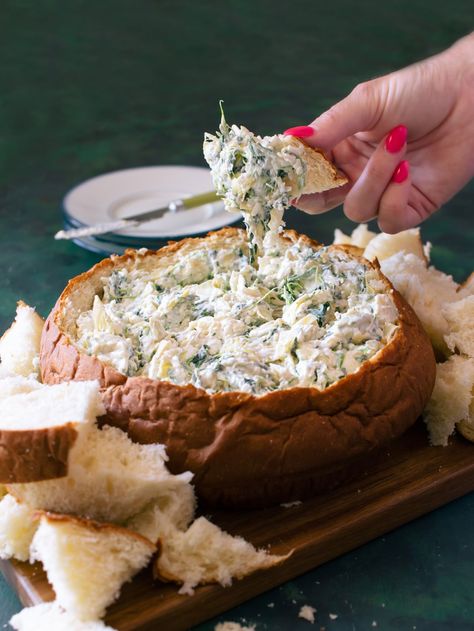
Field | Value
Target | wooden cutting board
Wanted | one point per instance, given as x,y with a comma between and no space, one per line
410,479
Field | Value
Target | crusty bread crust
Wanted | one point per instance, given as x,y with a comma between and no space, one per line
93,526
246,449
35,454
321,173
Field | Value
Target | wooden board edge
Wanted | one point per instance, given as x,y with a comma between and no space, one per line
20,583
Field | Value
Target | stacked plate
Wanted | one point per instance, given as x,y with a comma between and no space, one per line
123,194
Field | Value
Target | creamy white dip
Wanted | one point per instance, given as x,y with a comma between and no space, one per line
304,317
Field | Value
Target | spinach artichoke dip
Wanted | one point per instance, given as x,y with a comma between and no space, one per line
303,317
257,176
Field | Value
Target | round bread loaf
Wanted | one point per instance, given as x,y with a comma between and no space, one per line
267,441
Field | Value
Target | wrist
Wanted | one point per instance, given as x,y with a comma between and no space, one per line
461,54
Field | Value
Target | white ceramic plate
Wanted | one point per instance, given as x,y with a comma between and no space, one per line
126,193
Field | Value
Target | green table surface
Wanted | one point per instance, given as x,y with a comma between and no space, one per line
92,86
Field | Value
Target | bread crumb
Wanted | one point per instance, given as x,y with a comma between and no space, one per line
307,613
374,623
333,616
291,504
232,626
271,605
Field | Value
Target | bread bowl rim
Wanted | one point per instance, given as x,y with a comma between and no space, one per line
134,256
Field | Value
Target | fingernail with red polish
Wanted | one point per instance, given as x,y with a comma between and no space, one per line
396,139
302,131
401,172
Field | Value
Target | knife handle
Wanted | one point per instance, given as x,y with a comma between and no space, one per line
200,200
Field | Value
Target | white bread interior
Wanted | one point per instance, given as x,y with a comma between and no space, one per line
452,399
19,346
12,384
382,246
361,236
51,617
29,405
87,562
321,174
206,554
168,513
18,525
110,478
460,318
426,289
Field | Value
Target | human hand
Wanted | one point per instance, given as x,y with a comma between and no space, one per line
405,141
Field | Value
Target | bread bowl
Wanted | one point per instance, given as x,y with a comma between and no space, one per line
287,438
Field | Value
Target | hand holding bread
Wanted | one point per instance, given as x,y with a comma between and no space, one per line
404,140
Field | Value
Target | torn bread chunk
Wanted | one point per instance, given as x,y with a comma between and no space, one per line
87,562
172,511
109,478
452,400
382,246
52,617
40,425
426,289
18,525
460,318
360,236
20,344
206,554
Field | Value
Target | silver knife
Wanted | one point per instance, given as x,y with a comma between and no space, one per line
132,222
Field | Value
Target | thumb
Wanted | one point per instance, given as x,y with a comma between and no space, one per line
359,111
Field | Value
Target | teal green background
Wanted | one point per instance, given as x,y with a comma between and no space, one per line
89,86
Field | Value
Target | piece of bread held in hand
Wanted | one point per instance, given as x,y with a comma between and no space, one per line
40,425
321,174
